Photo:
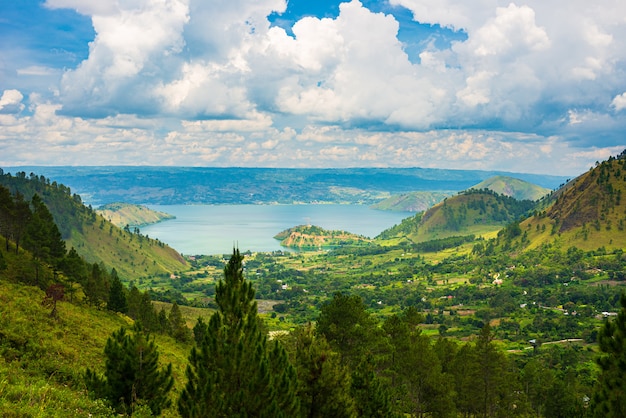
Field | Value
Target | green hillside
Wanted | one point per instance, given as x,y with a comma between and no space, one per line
474,212
122,214
95,238
513,187
412,201
43,358
587,213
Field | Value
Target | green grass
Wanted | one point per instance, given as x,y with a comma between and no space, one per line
42,359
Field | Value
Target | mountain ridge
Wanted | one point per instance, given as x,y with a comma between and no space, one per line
236,185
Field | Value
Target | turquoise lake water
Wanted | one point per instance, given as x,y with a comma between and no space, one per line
214,229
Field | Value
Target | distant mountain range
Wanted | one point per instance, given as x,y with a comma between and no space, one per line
208,185
424,200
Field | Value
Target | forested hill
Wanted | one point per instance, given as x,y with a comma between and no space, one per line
92,236
473,212
588,213
210,185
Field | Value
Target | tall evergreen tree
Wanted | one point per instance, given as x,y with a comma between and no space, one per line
610,394
117,294
164,324
348,327
7,210
177,325
134,302
372,397
232,373
147,315
96,287
41,236
485,384
75,270
323,382
415,369
132,375
19,220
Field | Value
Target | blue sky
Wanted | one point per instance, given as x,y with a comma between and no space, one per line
489,84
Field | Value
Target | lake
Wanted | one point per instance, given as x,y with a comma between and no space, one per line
215,229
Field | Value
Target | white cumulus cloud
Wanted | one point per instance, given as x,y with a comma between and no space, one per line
619,102
11,101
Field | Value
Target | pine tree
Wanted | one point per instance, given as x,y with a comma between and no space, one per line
117,294
134,302
3,263
19,220
132,375
610,392
147,315
348,327
415,369
164,324
199,331
232,372
96,286
41,235
372,397
323,382
177,325
485,385
75,270
7,210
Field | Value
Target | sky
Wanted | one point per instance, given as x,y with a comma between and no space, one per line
537,86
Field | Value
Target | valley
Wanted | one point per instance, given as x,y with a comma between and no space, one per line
479,274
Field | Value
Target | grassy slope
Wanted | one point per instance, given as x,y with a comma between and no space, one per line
516,188
132,255
42,359
122,214
436,222
587,213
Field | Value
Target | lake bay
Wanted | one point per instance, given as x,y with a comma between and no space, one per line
215,229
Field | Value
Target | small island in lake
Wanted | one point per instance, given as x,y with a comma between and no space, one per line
314,237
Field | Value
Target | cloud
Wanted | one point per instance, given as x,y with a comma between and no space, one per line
11,101
135,43
619,102
37,70
192,82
